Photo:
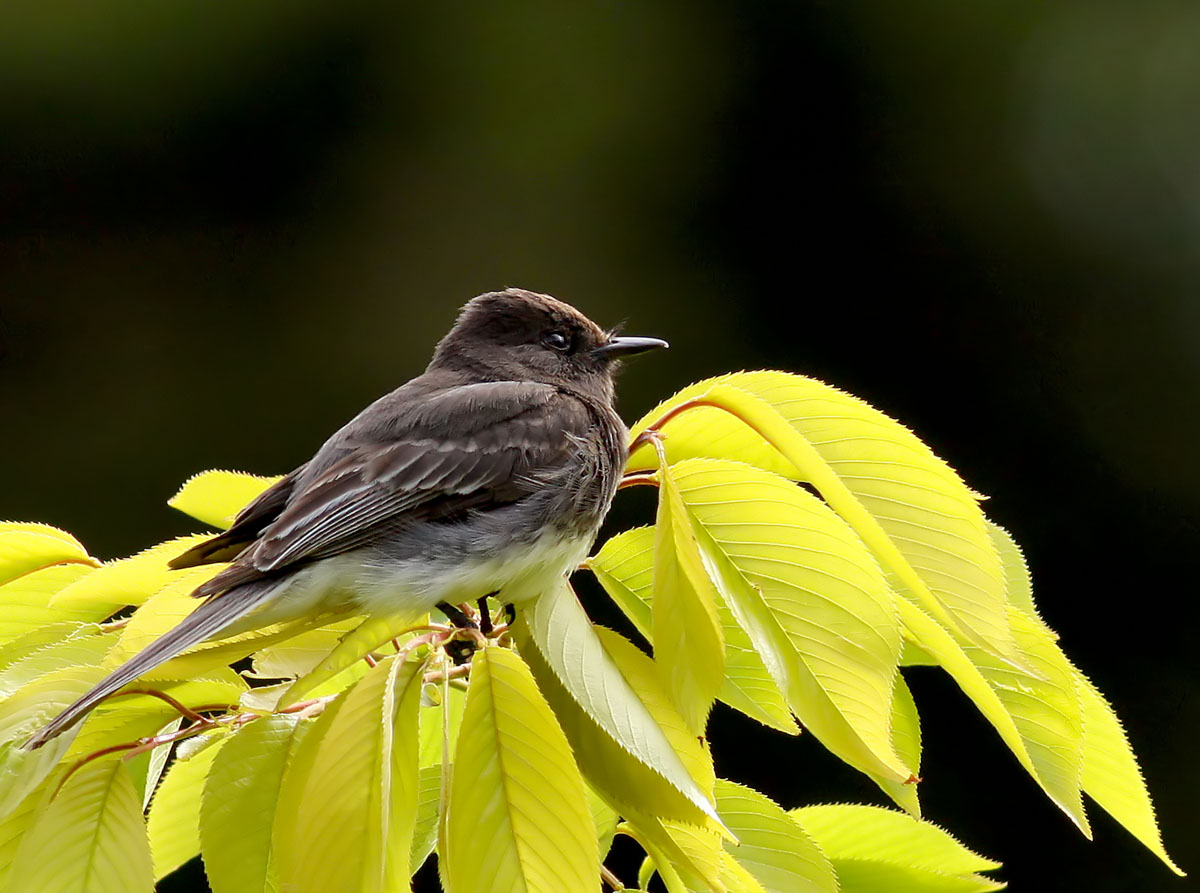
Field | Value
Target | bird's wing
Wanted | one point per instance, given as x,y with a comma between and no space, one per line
249,523
469,447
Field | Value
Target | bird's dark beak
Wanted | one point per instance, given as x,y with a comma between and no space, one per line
627,346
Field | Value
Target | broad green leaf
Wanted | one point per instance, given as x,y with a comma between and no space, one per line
89,839
610,728
302,653
221,652
174,818
689,648
41,637
774,850
241,793
625,568
687,858
159,613
432,728
1045,710
518,816
875,850
24,771
19,820
129,581
909,506
374,631
42,699
811,598
348,804
85,646
215,497
1110,771
25,602
25,548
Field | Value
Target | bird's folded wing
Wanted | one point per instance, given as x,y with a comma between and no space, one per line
472,447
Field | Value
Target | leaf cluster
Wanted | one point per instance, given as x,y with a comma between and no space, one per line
807,552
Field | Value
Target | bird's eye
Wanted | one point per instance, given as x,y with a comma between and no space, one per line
557,340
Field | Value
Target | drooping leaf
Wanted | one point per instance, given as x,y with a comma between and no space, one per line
85,645
173,821
689,647
909,507
89,839
18,820
625,568
1110,771
240,796
432,725
773,849
601,713
604,817
349,798
875,850
518,815
215,497
812,600
425,829
26,548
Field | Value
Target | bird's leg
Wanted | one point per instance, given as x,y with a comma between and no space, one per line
456,616
485,616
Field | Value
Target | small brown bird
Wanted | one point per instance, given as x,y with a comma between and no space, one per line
490,472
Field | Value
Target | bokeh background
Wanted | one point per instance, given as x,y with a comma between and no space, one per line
226,227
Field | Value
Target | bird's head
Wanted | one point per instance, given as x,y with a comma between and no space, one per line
518,335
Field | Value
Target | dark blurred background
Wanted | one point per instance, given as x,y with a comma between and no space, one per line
225,227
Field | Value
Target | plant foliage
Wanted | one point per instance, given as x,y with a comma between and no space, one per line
807,550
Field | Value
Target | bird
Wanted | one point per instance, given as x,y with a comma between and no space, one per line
488,474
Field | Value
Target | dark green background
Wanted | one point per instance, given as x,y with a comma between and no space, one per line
225,227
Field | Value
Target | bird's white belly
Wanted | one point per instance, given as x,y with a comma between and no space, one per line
369,585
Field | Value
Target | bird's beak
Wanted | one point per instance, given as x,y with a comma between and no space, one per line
627,346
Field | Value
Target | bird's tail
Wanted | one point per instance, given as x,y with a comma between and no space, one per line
205,622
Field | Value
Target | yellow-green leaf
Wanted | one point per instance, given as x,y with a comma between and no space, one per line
19,820
129,581
1110,771
26,547
374,631
689,648
215,497
159,613
174,817
909,506
625,568
349,798
518,817
241,793
617,740
906,738
779,855
874,850
25,602
1018,584
85,645
425,830
89,839
811,598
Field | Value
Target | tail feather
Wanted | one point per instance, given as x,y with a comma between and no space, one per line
205,622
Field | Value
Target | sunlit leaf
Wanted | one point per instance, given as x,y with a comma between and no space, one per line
610,728
26,547
215,497
174,817
25,602
812,600
348,803
518,816
18,820
352,645
875,850
85,645
909,506
240,796
128,581
689,648
604,817
780,856
425,829
625,568
1110,771
906,738
89,839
